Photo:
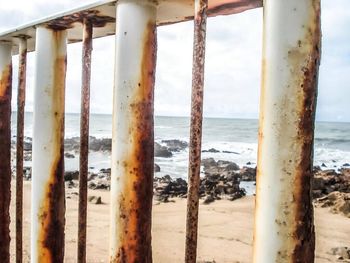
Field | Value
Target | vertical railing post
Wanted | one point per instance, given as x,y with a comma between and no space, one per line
133,132
200,22
284,229
48,195
84,138
22,66
5,148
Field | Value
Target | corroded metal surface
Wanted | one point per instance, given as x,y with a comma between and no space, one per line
48,195
133,133
284,212
68,21
5,149
200,23
84,139
19,151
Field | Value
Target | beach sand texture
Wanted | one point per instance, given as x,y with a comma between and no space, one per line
225,230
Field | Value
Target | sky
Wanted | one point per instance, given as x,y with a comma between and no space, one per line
233,63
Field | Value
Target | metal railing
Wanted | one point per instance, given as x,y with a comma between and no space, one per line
284,229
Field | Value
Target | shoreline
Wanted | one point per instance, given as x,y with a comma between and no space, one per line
225,230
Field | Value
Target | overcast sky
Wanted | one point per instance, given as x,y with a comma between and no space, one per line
233,63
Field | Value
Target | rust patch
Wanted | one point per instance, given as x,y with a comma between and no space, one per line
52,209
195,147
304,227
5,161
93,16
260,136
19,151
84,139
227,7
135,202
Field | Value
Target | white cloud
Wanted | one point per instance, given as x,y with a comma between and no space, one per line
232,63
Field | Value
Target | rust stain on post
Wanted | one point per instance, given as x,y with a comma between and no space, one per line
52,209
196,130
5,161
84,139
295,215
135,203
19,150
304,250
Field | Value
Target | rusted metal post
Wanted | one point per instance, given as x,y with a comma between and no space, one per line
200,23
133,132
5,148
84,139
48,195
284,229
19,153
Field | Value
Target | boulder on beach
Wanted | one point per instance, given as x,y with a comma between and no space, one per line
156,168
71,175
175,145
337,202
161,151
211,150
69,155
328,181
97,200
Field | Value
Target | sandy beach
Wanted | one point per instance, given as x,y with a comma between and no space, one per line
225,230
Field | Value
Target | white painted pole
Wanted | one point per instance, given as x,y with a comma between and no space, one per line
284,230
48,198
5,148
133,135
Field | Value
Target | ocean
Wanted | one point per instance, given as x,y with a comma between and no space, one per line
239,136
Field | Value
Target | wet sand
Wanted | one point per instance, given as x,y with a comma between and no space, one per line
225,230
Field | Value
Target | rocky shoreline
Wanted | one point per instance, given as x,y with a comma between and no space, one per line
220,179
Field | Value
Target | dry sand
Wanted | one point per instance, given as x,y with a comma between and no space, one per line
225,230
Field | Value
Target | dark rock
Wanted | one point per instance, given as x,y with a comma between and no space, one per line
341,252
175,145
208,199
156,168
71,175
70,184
97,200
161,151
208,162
92,176
27,146
211,150
27,172
328,181
69,155
27,156
106,170
230,152
323,165
337,202
104,144
72,144
99,184
248,173
346,165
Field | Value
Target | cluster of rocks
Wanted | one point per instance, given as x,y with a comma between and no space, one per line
221,180
332,189
227,168
328,181
342,253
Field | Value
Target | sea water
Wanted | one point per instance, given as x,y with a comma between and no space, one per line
237,136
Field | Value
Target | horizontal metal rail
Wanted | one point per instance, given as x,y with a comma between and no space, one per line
102,15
